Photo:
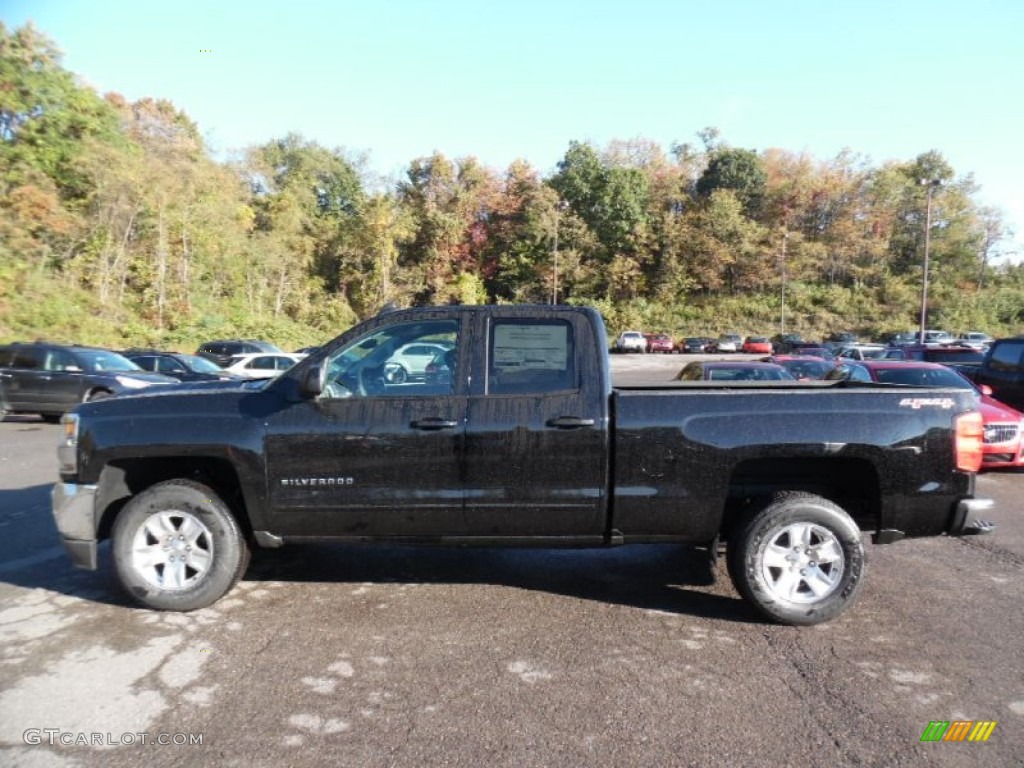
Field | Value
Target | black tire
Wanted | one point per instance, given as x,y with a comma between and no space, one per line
97,394
202,557
800,560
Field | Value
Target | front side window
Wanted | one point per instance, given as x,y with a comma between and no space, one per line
403,360
101,360
166,365
531,356
60,360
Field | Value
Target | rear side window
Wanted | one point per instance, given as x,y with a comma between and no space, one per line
531,356
1006,356
28,359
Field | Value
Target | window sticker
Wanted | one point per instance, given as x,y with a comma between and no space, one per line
531,346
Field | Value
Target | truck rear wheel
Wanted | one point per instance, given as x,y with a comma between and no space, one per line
800,560
177,547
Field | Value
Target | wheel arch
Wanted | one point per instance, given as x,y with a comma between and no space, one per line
122,479
97,389
851,483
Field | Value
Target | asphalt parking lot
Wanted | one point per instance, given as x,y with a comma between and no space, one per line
402,656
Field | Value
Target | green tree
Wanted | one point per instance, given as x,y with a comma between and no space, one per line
739,170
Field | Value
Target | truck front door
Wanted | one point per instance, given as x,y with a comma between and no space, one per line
376,455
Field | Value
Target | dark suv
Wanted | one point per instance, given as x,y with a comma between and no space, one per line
50,379
223,350
1003,370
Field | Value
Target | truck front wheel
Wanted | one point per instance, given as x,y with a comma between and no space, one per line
177,547
800,560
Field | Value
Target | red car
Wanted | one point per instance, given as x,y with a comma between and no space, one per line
1003,425
757,345
660,342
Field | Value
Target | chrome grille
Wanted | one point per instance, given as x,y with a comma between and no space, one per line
1001,433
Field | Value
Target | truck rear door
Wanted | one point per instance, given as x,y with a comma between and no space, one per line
536,458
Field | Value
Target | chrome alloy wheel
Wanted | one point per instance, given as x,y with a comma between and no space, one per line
172,550
802,563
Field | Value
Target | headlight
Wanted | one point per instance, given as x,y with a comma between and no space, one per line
129,383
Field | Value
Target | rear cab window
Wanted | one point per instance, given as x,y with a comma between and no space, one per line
1005,356
531,356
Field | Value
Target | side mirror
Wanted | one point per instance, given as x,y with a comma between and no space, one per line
986,390
312,383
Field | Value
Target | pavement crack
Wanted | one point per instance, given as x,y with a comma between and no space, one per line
1000,553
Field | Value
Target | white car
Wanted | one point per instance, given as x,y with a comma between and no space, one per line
863,352
412,361
631,341
974,340
728,342
262,365
937,338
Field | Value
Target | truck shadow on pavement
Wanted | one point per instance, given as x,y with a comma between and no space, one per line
670,578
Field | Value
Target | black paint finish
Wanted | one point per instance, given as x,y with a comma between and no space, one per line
558,459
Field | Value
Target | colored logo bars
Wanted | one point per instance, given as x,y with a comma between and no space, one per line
958,730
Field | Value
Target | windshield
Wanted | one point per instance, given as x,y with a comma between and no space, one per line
807,369
874,354
201,364
96,360
748,374
922,377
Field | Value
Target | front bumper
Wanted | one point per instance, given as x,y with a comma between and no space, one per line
74,510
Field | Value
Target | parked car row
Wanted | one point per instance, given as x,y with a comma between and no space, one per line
1003,440
938,346
50,379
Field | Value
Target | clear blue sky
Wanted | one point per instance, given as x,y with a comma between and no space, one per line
398,79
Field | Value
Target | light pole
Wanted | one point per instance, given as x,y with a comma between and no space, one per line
560,206
782,324
932,185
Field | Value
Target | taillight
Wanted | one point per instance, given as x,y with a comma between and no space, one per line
970,434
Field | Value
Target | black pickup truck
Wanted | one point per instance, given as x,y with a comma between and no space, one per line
504,429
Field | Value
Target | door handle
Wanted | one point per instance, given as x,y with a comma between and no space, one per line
434,422
569,422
